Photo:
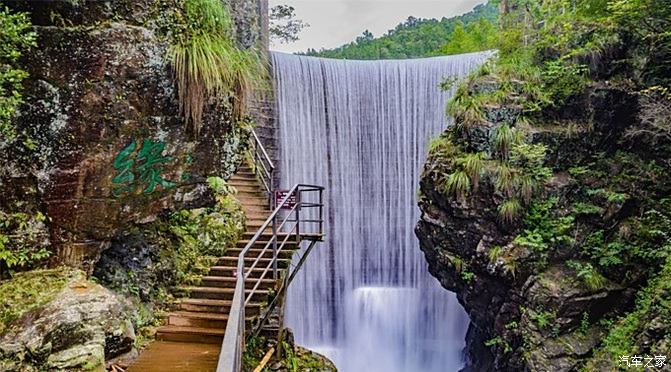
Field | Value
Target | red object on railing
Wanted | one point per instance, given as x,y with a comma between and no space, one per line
291,203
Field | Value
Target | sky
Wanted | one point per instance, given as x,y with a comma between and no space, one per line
337,22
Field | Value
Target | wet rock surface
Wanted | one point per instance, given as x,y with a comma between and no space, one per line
529,309
108,146
79,329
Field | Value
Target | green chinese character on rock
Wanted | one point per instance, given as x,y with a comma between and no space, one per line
151,160
141,169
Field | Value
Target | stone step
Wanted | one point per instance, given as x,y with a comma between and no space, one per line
247,200
243,178
286,252
216,293
190,334
263,262
230,281
214,306
252,190
200,319
244,182
291,243
266,235
257,214
230,271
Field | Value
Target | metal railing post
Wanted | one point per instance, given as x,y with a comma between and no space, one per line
321,211
274,247
298,223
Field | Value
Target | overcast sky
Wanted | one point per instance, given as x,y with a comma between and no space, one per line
336,22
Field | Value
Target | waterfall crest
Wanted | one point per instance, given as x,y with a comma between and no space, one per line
361,128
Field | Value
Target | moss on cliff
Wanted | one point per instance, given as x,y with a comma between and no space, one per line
546,205
30,290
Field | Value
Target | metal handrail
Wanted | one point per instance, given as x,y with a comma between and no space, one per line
233,345
263,166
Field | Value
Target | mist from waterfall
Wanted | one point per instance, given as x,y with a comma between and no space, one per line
365,298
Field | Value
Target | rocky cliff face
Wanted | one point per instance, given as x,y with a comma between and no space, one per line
544,286
102,144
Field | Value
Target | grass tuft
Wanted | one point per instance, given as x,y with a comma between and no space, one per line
457,184
474,166
504,138
207,63
510,210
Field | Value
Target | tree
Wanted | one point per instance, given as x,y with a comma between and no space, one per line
283,25
366,36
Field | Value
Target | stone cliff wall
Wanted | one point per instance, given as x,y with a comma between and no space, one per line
543,288
102,144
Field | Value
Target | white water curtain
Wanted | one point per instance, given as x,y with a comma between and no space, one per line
365,298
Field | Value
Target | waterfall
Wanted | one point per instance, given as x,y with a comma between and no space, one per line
365,298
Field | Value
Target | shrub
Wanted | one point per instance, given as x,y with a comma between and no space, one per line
504,138
21,245
16,36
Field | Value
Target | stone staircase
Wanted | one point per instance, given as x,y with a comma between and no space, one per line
200,318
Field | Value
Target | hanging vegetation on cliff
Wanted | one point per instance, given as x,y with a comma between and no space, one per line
207,62
552,188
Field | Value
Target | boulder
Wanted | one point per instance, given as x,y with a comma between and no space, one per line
81,327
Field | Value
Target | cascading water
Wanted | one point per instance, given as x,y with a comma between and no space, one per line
361,128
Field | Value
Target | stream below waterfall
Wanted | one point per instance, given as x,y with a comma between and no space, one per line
365,298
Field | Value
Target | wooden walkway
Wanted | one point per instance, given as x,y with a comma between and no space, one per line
164,356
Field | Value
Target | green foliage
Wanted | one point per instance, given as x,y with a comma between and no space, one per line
543,319
473,37
255,349
30,290
584,324
510,210
16,36
498,341
441,146
504,138
588,274
466,108
206,60
530,158
474,166
494,253
20,246
416,38
629,335
283,24
205,233
543,230
457,184
562,79
587,208
506,179
647,23
467,276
